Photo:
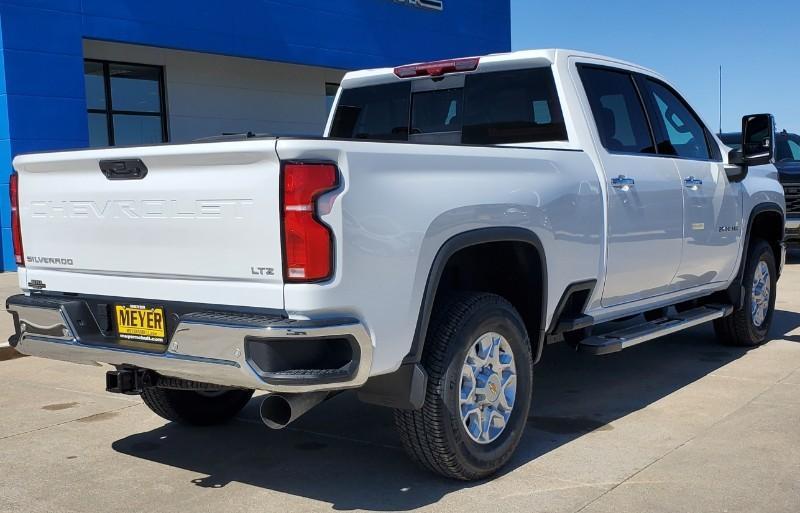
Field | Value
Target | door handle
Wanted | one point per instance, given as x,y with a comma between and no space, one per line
693,183
622,182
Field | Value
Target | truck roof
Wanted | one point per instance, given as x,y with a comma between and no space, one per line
540,57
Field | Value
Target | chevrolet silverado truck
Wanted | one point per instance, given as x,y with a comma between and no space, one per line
787,161
455,217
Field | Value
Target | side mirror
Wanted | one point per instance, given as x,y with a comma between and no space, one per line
758,145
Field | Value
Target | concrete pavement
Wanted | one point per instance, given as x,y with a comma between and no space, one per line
8,286
676,425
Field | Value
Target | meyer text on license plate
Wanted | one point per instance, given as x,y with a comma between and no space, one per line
138,322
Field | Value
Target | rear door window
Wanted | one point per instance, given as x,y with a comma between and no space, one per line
618,111
373,112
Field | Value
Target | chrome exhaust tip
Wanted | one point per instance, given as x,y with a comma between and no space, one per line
279,410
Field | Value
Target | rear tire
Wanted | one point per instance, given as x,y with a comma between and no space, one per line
197,408
477,350
749,325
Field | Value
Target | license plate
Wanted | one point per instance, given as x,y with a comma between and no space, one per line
139,322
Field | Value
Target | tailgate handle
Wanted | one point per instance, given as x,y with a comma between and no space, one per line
129,169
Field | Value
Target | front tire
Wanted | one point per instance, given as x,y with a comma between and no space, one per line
480,370
193,407
749,325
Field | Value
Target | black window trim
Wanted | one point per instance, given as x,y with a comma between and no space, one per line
637,77
109,110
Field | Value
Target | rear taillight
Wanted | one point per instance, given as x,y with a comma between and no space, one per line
438,68
16,233
307,242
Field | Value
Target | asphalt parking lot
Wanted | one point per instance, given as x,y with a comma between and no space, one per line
676,425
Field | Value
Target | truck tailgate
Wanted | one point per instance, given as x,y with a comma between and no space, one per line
203,224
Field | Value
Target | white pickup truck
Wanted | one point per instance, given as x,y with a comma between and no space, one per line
455,217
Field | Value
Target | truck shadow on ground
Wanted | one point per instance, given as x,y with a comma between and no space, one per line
347,454
784,324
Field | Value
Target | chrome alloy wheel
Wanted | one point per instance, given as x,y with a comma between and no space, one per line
760,296
488,388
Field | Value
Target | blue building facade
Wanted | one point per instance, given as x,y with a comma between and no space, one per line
43,82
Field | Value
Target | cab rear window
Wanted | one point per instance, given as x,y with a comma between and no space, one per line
504,107
435,112
512,107
375,112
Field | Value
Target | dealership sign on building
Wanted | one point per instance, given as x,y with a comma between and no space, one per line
437,5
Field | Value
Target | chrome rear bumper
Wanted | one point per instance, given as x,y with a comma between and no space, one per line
209,347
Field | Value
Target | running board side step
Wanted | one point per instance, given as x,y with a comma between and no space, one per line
618,340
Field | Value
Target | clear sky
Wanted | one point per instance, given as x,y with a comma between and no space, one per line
757,44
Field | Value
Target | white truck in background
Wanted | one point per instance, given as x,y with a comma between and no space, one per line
456,217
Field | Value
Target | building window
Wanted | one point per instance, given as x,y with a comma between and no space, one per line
125,103
330,94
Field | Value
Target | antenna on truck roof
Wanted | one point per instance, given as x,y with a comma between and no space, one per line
720,98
